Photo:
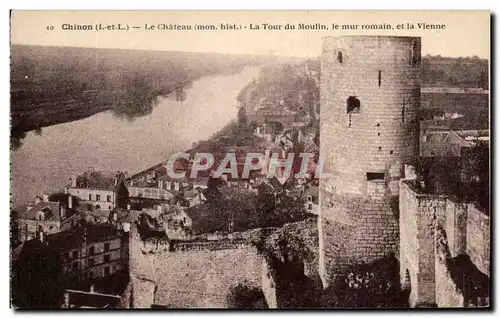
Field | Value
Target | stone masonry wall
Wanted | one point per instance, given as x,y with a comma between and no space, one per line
447,293
202,279
383,74
194,278
436,232
419,215
478,239
354,231
408,244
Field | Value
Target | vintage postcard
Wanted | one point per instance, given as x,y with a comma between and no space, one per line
250,159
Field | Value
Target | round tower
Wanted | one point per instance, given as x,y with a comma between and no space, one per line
370,96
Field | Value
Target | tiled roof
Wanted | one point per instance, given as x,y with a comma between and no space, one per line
75,237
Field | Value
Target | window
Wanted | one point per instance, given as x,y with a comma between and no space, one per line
74,266
353,105
379,78
91,275
310,206
106,247
339,57
98,197
98,206
108,198
106,258
309,198
40,217
90,197
91,250
26,227
90,262
374,176
106,271
75,254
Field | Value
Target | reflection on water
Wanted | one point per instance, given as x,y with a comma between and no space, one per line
46,161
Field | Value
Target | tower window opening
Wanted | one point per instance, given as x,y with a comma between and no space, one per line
375,176
379,78
412,54
353,105
350,121
378,134
391,152
339,57
378,125
403,111
379,148
414,57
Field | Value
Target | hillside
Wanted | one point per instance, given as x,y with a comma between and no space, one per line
51,85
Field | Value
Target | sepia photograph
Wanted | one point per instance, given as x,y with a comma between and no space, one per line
250,159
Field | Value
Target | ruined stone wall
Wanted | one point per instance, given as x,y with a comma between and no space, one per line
478,239
408,242
198,276
437,233
203,278
447,293
455,226
420,214
383,74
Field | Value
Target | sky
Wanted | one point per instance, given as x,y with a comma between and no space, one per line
467,33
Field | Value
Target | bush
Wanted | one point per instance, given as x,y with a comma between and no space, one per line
246,296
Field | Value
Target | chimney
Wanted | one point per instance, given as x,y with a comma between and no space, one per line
45,197
62,211
73,181
126,227
38,199
66,300
70,202
40,236
128,206
92,288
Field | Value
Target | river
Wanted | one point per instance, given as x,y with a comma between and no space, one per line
46,161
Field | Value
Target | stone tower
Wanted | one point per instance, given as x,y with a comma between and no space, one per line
370,95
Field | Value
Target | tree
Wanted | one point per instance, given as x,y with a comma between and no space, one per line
242,116
63,198
14,229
